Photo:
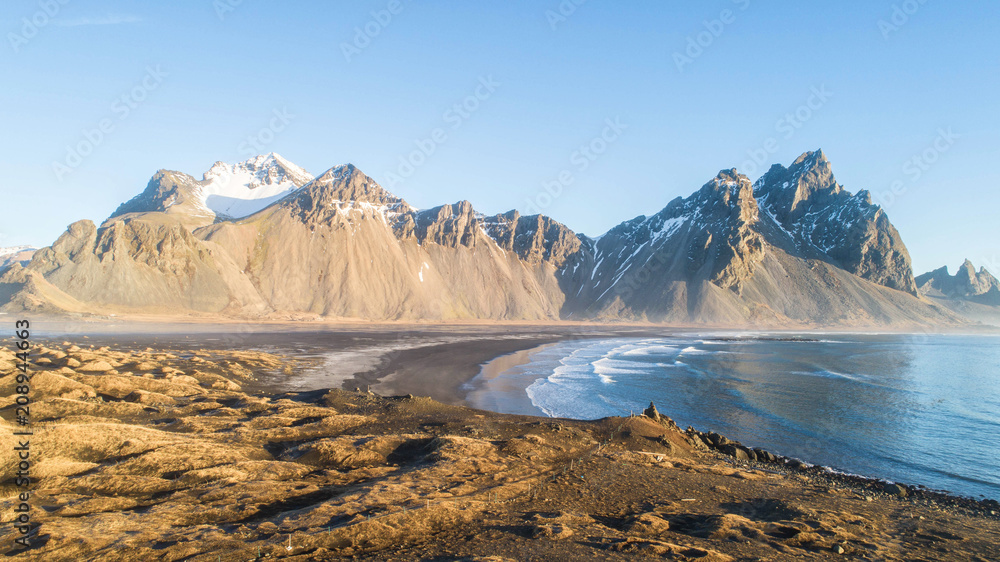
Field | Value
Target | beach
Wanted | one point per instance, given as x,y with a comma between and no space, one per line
165,452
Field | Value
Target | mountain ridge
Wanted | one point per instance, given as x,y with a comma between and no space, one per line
792,248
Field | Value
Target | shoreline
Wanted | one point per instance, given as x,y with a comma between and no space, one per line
156,323
459,372
487,391
338,474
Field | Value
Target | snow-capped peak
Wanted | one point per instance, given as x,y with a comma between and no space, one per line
242,189
15,250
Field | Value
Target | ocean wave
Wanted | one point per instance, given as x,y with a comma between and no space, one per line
608,366
650,350
825,373
686,376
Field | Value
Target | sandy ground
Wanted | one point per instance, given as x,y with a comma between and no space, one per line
167,454
436,360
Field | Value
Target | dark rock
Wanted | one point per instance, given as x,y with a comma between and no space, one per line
651,412
737,452
765,456
718,440
895,490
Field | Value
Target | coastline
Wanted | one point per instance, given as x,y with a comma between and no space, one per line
345,474
507,394
456,372
501,383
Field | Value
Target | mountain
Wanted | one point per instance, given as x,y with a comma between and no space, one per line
794,247
15,254
263,238
344,247
224,192
339,246
965,284
826,222
973,295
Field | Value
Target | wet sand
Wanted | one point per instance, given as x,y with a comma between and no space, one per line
443,362
489,391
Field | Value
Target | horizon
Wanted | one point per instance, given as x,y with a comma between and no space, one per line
497,102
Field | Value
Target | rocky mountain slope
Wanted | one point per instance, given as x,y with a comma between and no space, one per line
224,192
795,247
824,221
342,246
265,238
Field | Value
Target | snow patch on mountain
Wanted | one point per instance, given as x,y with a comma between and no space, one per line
15,250
239,190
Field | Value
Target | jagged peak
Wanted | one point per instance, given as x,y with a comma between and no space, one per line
966,270
263,169
458,208
728,185
346,184
789,191
337,173
811,159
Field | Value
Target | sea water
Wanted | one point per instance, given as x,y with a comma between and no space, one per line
917,409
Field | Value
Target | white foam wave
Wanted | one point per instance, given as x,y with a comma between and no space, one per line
833,375
650,350
608,366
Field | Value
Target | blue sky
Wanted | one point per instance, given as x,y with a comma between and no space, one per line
693,88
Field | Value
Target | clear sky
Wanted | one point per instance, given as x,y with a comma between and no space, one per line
694,87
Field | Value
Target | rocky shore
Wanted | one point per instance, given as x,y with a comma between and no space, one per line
165,454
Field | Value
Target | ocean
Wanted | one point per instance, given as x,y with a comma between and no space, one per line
915,409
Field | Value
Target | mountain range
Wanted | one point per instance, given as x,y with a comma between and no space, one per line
974,295
265,239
